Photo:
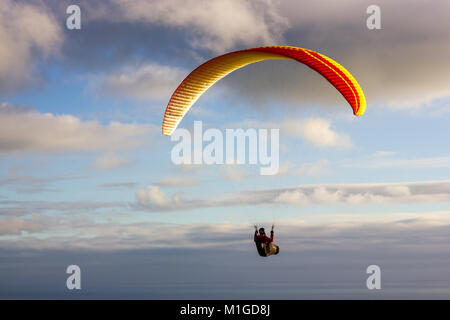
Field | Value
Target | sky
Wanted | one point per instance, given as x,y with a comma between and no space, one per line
86,176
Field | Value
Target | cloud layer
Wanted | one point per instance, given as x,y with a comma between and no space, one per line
154,198
214,24
30,131
28,32
400,66
313,231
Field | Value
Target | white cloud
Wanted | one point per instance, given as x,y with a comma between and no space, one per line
31,131
398,190
296,197
317,131
27,32
152,195
213,24
147,82
321,194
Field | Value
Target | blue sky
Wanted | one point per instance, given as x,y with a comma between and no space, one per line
85,171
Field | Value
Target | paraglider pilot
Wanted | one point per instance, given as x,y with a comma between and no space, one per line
264,244
261,237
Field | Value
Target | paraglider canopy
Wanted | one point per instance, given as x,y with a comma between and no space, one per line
207,74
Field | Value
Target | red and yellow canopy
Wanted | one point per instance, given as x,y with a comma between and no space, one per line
199,80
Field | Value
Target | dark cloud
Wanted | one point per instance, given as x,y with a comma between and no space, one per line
324,261
115,32
400,66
